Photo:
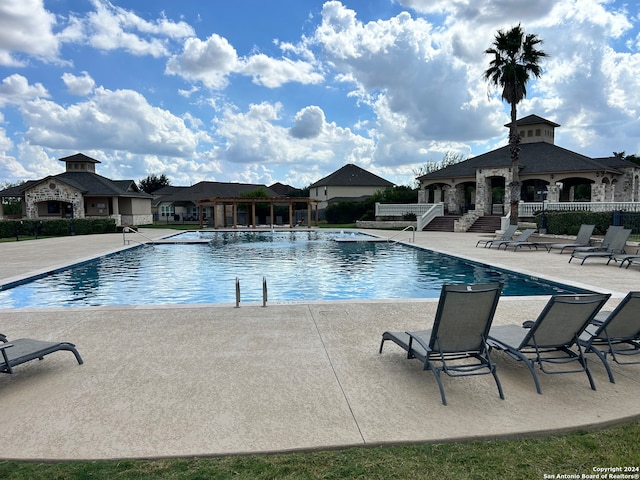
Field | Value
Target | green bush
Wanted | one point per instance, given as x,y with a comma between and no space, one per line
568,223
58,227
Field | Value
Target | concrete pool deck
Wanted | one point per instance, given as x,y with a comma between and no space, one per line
185,380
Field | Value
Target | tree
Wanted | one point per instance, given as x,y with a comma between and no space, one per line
11,206
153,182
449,158
515,59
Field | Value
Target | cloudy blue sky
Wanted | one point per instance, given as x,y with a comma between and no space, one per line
264,91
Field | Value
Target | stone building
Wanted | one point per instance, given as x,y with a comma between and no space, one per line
80,192
546,171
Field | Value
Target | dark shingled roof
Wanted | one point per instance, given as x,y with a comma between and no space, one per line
539,157
353,176
205,190
531,120
282,189
90,184
79,157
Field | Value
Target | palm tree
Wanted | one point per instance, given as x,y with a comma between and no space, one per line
516,58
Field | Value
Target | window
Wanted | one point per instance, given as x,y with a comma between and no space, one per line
529,133
537,132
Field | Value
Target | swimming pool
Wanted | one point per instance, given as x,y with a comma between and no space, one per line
297,266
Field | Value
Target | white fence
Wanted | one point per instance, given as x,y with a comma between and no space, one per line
401,209
529,209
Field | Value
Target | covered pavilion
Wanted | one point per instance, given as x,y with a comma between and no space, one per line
220,219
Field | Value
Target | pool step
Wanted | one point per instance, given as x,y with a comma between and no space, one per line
193,241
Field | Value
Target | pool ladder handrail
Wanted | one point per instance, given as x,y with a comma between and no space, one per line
264,292
126,241
413,236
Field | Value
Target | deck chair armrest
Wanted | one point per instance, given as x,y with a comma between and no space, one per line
4,346
3,338
424,343
528,324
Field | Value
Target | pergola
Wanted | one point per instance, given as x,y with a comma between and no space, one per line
235,201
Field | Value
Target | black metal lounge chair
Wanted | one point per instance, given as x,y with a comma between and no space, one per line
615,333
522,238
456,345
609,235
616,247
553,337
625,258
633,260
583,239
506,236
523,241
24,350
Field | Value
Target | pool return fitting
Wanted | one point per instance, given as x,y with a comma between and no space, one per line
264,292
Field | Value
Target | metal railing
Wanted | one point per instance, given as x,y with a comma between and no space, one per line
127,241
410,227
264,292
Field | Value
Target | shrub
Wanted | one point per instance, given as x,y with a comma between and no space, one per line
57,227
568,223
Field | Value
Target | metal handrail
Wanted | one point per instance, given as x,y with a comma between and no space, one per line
126,230
402,231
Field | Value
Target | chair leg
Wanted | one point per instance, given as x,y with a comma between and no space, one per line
436,374
530,365
71,348
603,358
498,384
583,362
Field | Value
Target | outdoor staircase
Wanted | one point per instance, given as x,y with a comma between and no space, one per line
486,224
441,224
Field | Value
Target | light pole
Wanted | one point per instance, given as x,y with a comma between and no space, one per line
72,226
543,219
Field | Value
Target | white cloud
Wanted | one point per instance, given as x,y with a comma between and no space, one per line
118,120
308,123
26,27
113,27
209,62
213,60
253,139
79,85
273,73
401,63
15,89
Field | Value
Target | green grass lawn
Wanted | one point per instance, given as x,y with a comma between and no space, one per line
530,458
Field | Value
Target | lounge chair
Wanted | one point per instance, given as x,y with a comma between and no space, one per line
583,239
623,258
24,350
456,345
633,260
522,238
616,246
552,339
528,243
615,333
505,237
609,235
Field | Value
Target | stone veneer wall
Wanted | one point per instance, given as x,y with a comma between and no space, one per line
53,191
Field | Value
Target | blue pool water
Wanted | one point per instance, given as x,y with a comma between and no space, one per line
298,266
